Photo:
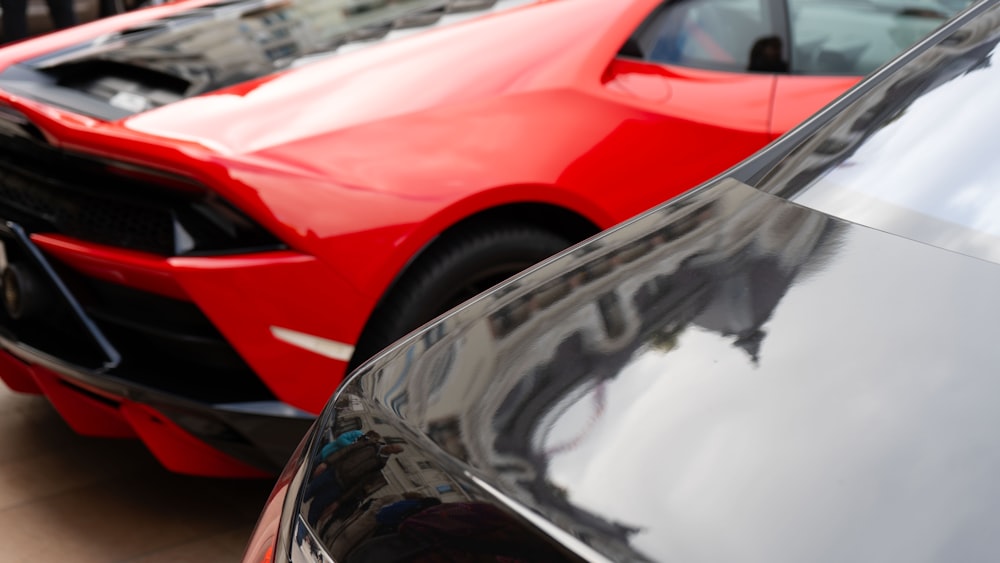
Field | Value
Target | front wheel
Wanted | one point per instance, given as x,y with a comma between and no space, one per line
459,266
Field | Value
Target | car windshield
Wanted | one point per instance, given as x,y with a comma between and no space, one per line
915,156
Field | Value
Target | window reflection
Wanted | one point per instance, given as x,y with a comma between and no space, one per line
828,37
913,156
855,38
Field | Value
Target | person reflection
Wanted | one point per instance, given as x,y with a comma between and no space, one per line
375,517
765,55
393,511
339,480
456,531
343,440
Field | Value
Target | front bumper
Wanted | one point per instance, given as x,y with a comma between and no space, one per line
186,437
191,424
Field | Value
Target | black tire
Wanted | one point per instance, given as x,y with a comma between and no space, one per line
457,267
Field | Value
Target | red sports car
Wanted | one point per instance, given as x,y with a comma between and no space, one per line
212,209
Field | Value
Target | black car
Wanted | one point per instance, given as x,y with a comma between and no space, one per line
797,361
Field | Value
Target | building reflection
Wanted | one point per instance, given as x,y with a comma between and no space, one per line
372,496
719,263
230,42
497,379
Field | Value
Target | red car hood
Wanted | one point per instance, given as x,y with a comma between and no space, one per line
253,140
547,46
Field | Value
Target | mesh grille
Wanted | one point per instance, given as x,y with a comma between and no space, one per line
115,204
47,205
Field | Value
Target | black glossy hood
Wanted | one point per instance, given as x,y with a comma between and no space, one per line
218,45
731,377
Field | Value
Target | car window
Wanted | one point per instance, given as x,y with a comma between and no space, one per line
730,35
855,37
915,156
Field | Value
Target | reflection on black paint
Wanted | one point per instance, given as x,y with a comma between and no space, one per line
427,530
730,287
967,50
373,497
788,334
721,262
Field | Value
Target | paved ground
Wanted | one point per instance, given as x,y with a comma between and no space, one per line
64,497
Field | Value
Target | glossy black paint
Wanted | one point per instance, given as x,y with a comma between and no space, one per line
732,376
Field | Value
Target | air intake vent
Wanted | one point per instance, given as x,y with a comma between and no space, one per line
128,87
46,190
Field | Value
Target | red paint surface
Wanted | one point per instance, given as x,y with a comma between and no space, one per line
179,451
84,412
358,162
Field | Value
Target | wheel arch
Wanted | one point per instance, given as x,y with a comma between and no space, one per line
558,220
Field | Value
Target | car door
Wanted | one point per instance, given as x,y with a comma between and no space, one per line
836,42
703,104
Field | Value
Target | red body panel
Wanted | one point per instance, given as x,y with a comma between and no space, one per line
179,451
358,162
18,375
245,297
134,269
809,93
86,413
